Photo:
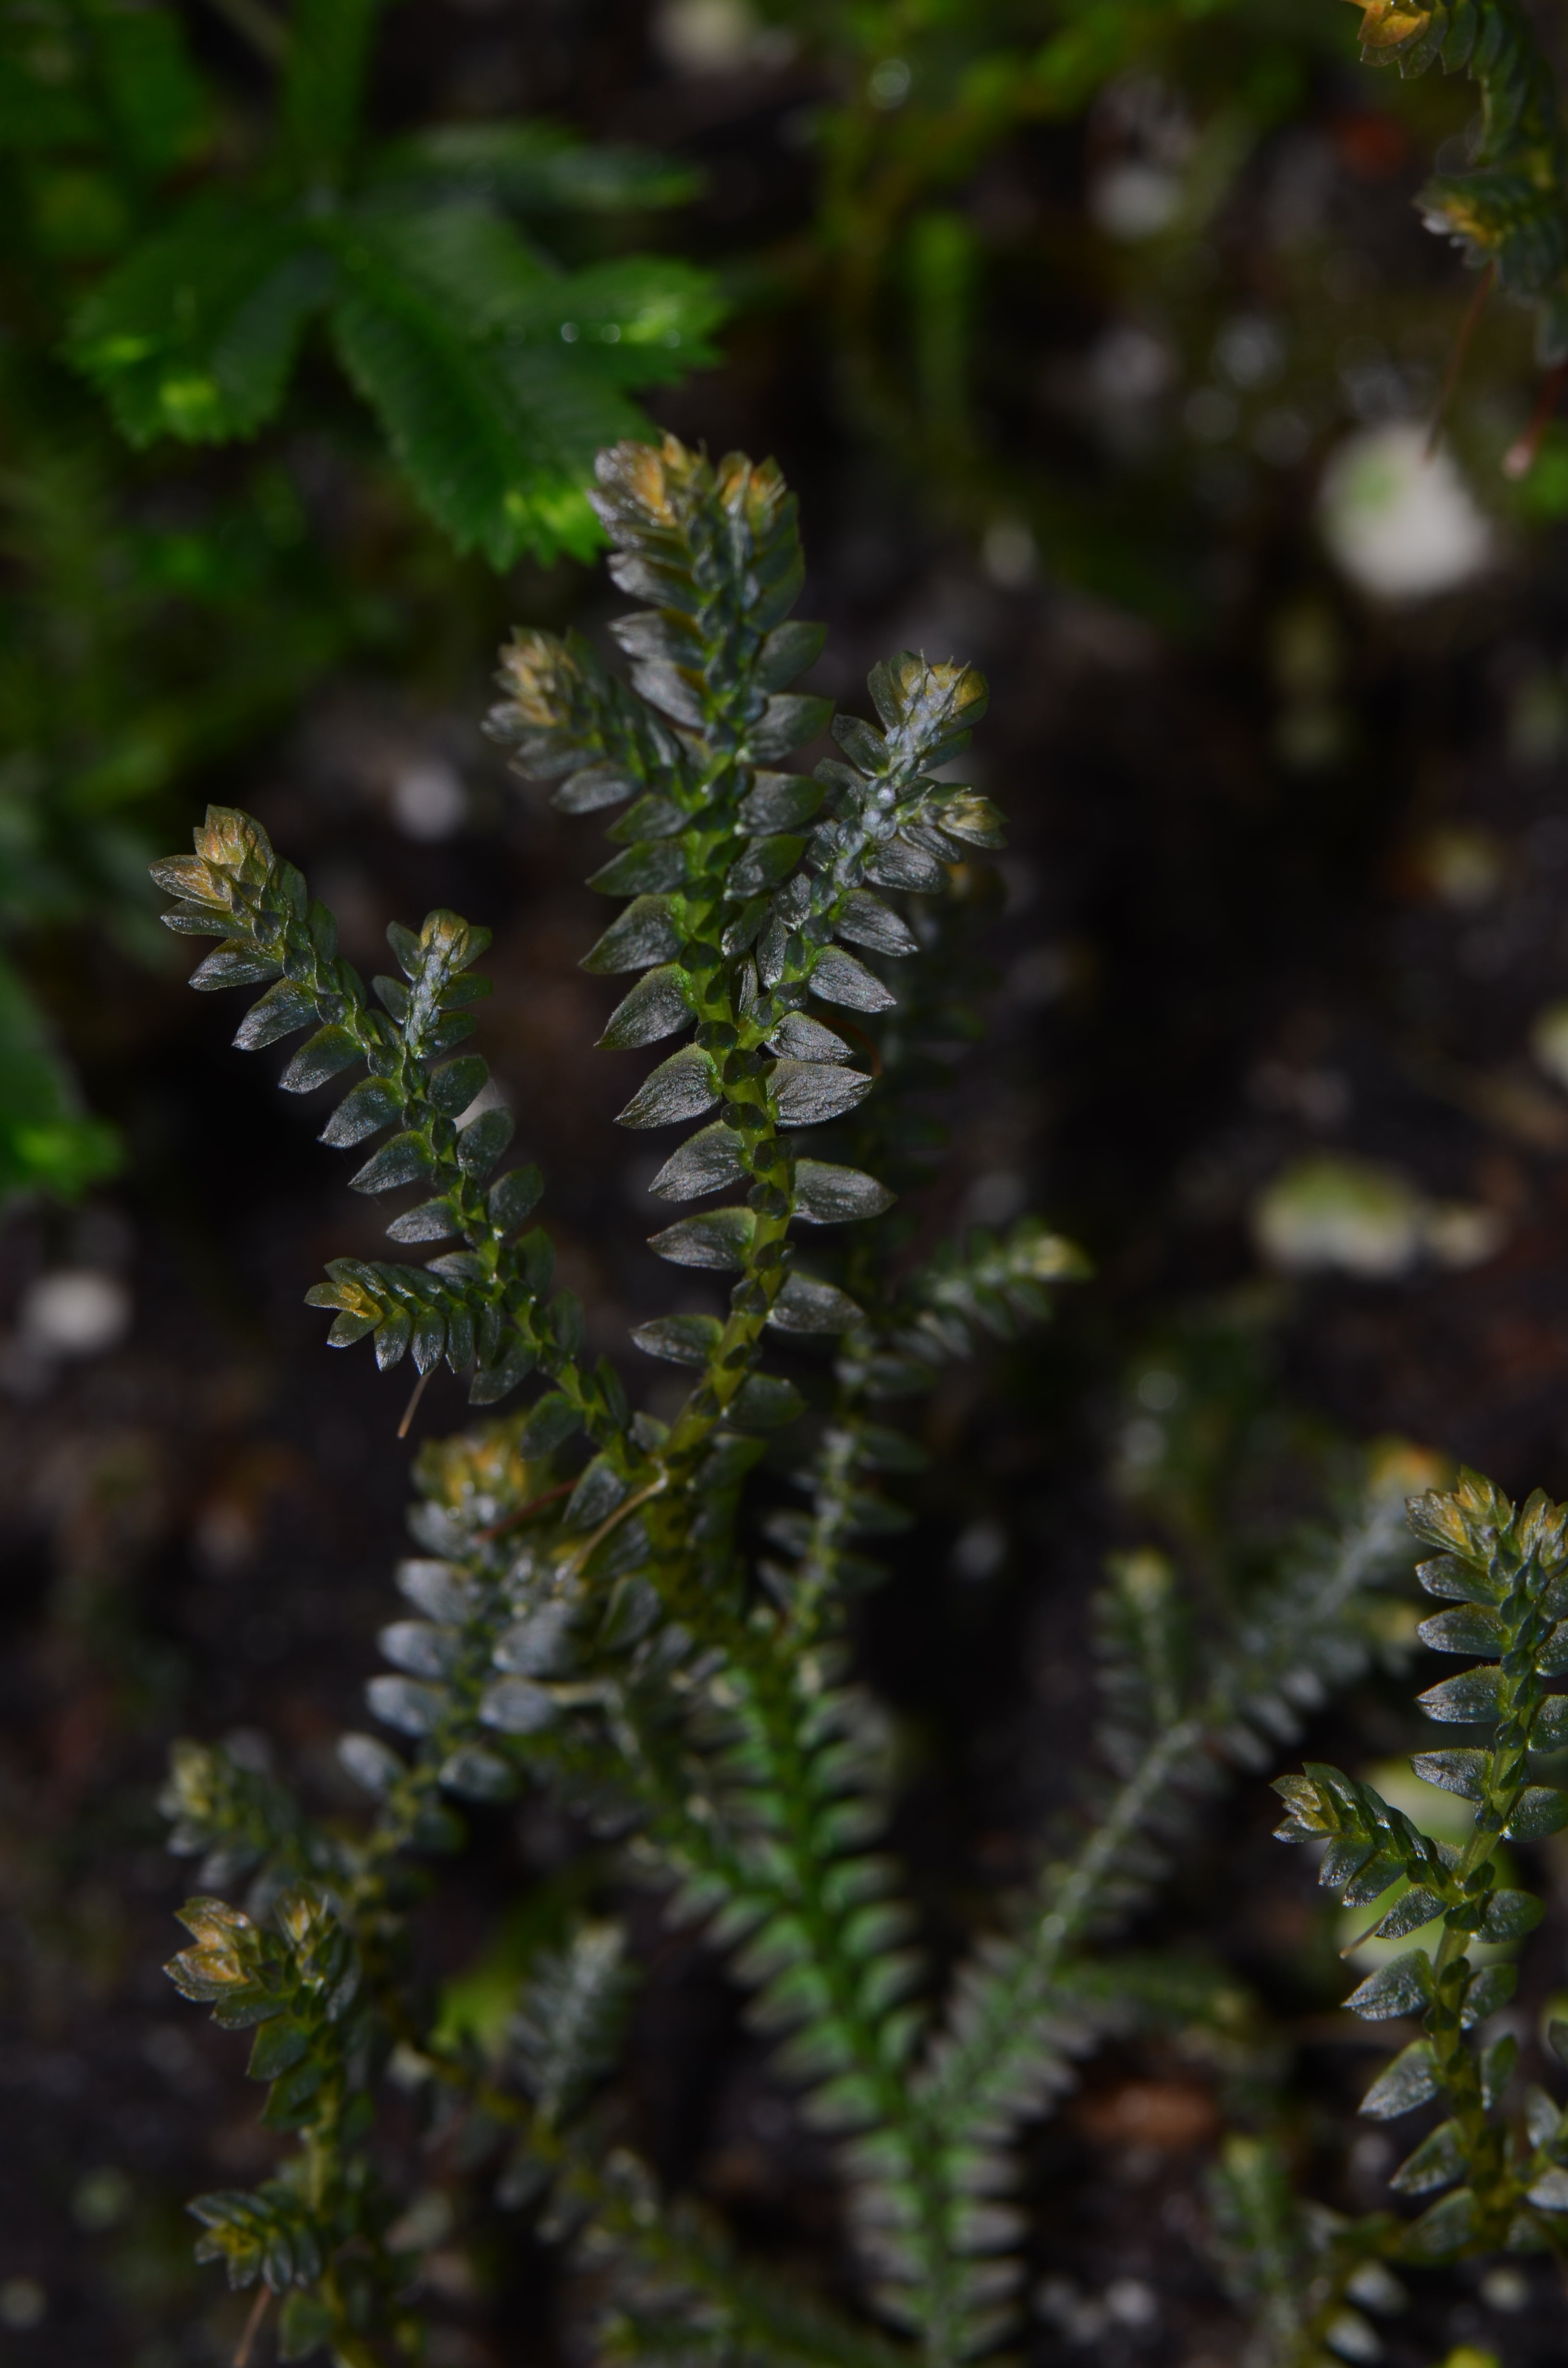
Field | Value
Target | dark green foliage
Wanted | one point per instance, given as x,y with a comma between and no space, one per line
182,258
494,372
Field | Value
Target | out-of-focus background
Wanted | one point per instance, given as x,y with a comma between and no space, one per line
1116,380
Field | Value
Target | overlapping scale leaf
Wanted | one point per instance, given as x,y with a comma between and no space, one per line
1509,207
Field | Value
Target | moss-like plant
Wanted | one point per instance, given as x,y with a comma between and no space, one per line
1500,2175
586,1615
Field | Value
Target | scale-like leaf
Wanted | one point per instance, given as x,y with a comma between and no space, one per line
837,977
681,1087
1464,1701
644,933
683,1339
779,802
1462,1771
719,1239
1542,1809
706,1162
867,921
1402,1987
766,1402
810,1093
1410,2081
829,1195
657,1005
806,1305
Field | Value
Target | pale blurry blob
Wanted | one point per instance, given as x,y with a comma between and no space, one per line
1402,526
1008,555
697,36
429,800
75,1312
1134,200
1332,1213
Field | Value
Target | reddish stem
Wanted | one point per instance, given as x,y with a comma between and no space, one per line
1520,457
499,1529
1466,329
413,1406
253,2325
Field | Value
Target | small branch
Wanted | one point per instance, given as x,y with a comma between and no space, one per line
524,1512
655,1488
1520,457
1461,345
413,1406
253,2325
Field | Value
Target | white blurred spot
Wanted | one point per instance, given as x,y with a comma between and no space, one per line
1130,2303
1376,2288
429,800
1335,1212
23,2304
75,1312
1008,555
1352,2339
1134,200
1371,2159
886,85
1505,2288
1459,1233
697,37
980,1551
1158,1390
1403,527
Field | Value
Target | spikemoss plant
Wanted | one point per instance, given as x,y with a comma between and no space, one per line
584,1614
1496,2160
